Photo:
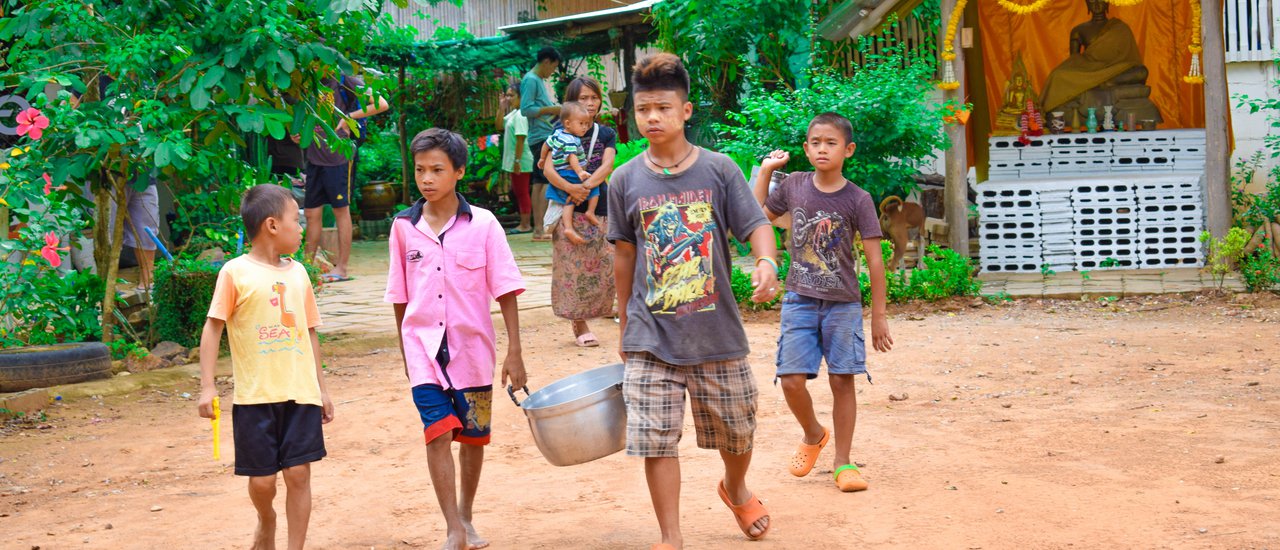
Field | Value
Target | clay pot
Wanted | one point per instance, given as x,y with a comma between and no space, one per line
378,199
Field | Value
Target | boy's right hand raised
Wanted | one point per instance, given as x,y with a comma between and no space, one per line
206,402
775,160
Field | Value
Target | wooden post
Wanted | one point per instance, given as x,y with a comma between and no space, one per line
956,193
628,57
628,63
406,163
1217,177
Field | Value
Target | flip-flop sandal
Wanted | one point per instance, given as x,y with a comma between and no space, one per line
587,340
746,513
331,278
849,479
516,231
807,455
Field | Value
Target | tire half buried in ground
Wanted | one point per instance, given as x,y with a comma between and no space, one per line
43,366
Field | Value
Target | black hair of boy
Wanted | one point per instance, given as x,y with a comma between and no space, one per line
451,143
549,53
263,201
573,108
661,72
834,120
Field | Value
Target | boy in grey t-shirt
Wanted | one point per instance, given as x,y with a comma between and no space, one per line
670,211
822,309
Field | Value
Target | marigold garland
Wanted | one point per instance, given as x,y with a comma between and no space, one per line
1194,76
1024,9
1124,2
949,81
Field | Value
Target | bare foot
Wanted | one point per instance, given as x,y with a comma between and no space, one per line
455,542
573,236
591,217
474,542
265,537
761,525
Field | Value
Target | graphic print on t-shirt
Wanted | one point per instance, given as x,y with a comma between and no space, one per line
678,246
270,338
819,239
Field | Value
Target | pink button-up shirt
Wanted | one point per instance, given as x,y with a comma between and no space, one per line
448,282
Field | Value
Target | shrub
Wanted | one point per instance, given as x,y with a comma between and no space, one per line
379,159
629,150
183,290
1261,269
1223,255
740,281
943,274
50,307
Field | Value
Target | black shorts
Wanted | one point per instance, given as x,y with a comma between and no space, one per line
537,176
328,185
273,436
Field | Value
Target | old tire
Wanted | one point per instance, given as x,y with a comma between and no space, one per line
43,366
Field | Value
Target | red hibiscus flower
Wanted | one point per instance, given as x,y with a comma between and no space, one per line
50,249
32,123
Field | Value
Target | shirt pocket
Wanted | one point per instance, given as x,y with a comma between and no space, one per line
470,273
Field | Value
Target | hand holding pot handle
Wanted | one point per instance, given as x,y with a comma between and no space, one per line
511,391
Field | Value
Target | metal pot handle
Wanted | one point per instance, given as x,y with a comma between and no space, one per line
511,391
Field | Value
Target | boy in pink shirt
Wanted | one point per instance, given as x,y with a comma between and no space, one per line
448,260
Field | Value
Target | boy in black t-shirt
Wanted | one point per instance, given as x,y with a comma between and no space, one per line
670,212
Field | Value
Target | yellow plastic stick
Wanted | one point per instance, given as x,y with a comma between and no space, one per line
217,413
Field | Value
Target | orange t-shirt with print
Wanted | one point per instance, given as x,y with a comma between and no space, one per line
268,310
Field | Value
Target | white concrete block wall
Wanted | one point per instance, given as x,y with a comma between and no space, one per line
1255,80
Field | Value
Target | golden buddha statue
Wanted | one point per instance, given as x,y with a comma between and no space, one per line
1016,93
1105,68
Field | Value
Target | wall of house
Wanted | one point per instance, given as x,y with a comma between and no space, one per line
482,17
561,8
1255,79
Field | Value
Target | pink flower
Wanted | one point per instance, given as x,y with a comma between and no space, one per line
50,250
48,185
32,123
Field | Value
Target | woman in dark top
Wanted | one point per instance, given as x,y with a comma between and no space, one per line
582,275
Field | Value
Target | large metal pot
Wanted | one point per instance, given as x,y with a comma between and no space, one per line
580,418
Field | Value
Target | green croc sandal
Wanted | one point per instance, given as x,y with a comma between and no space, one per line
849,479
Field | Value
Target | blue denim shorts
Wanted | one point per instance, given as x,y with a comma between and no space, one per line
813,329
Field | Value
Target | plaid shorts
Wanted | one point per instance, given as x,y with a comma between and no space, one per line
722,395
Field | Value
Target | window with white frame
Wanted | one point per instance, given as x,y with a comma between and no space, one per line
1248,30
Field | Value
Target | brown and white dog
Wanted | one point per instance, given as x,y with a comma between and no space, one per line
896,217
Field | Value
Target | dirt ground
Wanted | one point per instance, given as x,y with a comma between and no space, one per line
1143,423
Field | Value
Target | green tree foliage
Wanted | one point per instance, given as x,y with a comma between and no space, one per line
896,124
712,35
168,87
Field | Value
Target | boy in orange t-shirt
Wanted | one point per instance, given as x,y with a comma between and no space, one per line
264,300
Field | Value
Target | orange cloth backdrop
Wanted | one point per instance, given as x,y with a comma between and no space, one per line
1161,28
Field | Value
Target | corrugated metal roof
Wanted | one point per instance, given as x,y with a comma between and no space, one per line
581,18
